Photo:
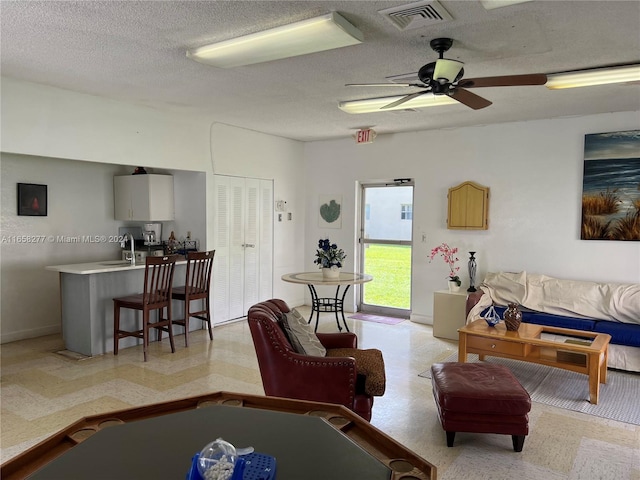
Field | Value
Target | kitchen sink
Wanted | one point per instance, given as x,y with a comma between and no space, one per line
116,263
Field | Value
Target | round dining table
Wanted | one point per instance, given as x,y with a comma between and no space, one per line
328,304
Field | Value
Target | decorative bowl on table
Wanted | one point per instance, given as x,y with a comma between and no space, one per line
491,317
492,322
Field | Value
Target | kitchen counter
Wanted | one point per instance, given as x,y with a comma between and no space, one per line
87,291
101,267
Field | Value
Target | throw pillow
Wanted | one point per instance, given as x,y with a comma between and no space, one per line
368,363
293,340
301,335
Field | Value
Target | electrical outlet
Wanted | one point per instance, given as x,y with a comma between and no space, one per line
289,216
279,217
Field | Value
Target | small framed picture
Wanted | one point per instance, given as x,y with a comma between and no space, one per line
32,199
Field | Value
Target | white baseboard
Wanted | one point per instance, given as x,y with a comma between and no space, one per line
424,319
32,333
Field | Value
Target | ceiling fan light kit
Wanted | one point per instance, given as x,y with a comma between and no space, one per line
447,71
317,34
589,78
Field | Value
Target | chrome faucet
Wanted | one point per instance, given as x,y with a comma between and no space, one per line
123,244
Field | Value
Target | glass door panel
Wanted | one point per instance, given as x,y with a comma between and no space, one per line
385,242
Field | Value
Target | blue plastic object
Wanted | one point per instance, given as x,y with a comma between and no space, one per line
255,466
258,466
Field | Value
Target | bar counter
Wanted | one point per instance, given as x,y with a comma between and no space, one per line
87,291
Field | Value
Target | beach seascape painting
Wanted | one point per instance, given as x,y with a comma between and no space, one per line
611,186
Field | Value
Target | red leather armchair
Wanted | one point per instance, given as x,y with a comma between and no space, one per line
288,374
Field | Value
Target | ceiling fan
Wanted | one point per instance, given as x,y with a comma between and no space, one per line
444,77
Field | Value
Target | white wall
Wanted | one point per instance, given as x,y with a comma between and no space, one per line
190,207
80,203
534,170
245,153
53,123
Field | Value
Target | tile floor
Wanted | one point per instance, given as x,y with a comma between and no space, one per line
43,391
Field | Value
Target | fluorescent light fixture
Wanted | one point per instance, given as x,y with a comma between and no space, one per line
589,78
307,36
491,4
374,104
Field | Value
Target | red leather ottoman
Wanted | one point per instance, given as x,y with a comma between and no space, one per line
480,398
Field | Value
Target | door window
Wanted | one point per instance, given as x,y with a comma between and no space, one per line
386,232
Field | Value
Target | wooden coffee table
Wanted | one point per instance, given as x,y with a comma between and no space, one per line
576,350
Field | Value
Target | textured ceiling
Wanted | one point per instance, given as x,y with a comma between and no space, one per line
134,51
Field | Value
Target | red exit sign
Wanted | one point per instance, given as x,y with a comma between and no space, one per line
365,136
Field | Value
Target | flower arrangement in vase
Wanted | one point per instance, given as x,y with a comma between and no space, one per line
449,256
329,257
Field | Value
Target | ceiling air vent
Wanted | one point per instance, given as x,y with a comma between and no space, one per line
416,15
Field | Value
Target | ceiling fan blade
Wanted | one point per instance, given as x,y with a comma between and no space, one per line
404,99
504,81
384,85
471,100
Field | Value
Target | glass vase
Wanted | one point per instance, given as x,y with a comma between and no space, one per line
472,272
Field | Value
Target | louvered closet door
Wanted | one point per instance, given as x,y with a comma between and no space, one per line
220,298
265,247
244,245
251,243
236,246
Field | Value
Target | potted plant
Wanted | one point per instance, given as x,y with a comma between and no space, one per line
449,256
329,258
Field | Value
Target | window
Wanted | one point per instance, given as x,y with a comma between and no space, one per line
406,211
367,212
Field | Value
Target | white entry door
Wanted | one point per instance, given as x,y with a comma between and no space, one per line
243,269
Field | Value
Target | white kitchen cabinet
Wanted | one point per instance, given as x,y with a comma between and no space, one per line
147,198
449,313
243,240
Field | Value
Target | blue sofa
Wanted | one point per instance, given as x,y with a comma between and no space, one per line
624,349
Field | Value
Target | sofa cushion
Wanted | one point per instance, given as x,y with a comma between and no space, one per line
621,333
300,334
539,318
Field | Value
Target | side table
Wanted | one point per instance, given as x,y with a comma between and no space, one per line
328,304
449,313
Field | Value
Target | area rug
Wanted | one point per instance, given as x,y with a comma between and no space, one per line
377,318
619,398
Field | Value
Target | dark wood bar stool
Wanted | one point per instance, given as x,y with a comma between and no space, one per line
158,281
197,287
